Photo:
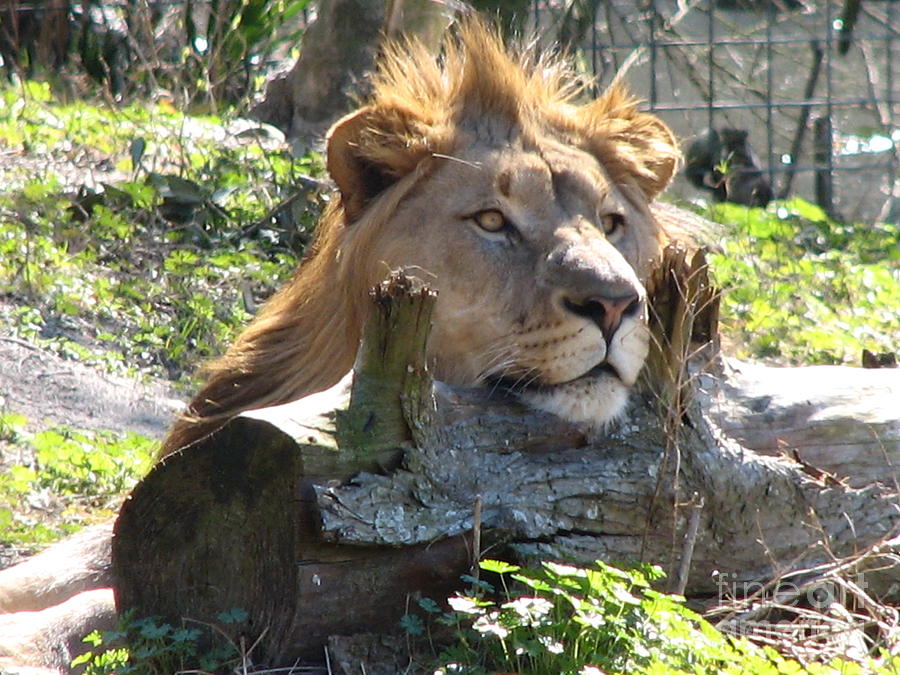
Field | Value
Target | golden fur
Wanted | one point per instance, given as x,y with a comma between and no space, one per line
423,114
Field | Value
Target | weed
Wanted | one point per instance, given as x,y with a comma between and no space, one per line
202,54
162,258
64,477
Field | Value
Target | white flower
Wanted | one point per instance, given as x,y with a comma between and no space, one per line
551,645
530,608
463,604
591,670
488,624
592,619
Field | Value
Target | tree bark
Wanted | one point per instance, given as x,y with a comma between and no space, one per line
601,501
338,51
278,516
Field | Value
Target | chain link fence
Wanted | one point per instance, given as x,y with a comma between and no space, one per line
815,84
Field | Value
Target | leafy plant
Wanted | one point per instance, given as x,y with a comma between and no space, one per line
159,267
227,41
150,646
569,620
87,463
213,53
802,288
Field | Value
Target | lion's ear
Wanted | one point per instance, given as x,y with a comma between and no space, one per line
372,148
634,143
357,179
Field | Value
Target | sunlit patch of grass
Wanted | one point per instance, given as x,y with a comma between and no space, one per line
800,288
143,232
58,479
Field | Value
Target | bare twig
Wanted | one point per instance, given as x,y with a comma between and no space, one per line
690,539
476,536
815,614
21,343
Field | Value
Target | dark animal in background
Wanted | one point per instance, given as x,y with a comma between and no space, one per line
724,163
702,159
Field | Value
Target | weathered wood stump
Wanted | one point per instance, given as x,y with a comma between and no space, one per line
323,516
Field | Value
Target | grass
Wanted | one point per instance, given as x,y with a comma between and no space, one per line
158,262
138,239
800,288
64,478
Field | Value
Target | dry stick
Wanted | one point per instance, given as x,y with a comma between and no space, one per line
797,144
21,343
685,306
669,308
476,536
690,539
750,608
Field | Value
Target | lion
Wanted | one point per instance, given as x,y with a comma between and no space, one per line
527,211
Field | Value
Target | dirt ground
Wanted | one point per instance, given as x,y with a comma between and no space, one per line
50,390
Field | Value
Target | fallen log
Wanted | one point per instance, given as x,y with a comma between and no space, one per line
841,420
324,516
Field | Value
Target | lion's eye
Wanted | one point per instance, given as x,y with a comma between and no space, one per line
612,223
490,220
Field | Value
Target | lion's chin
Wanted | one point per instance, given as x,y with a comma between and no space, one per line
593,401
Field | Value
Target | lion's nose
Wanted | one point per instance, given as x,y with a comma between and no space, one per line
606,311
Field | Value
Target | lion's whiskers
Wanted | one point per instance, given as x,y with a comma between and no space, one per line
502,367
525,380
499,358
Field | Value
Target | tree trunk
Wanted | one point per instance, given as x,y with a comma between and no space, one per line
278,515
33,36
338,51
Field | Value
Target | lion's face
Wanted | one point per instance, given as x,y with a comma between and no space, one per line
535,253
526,211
